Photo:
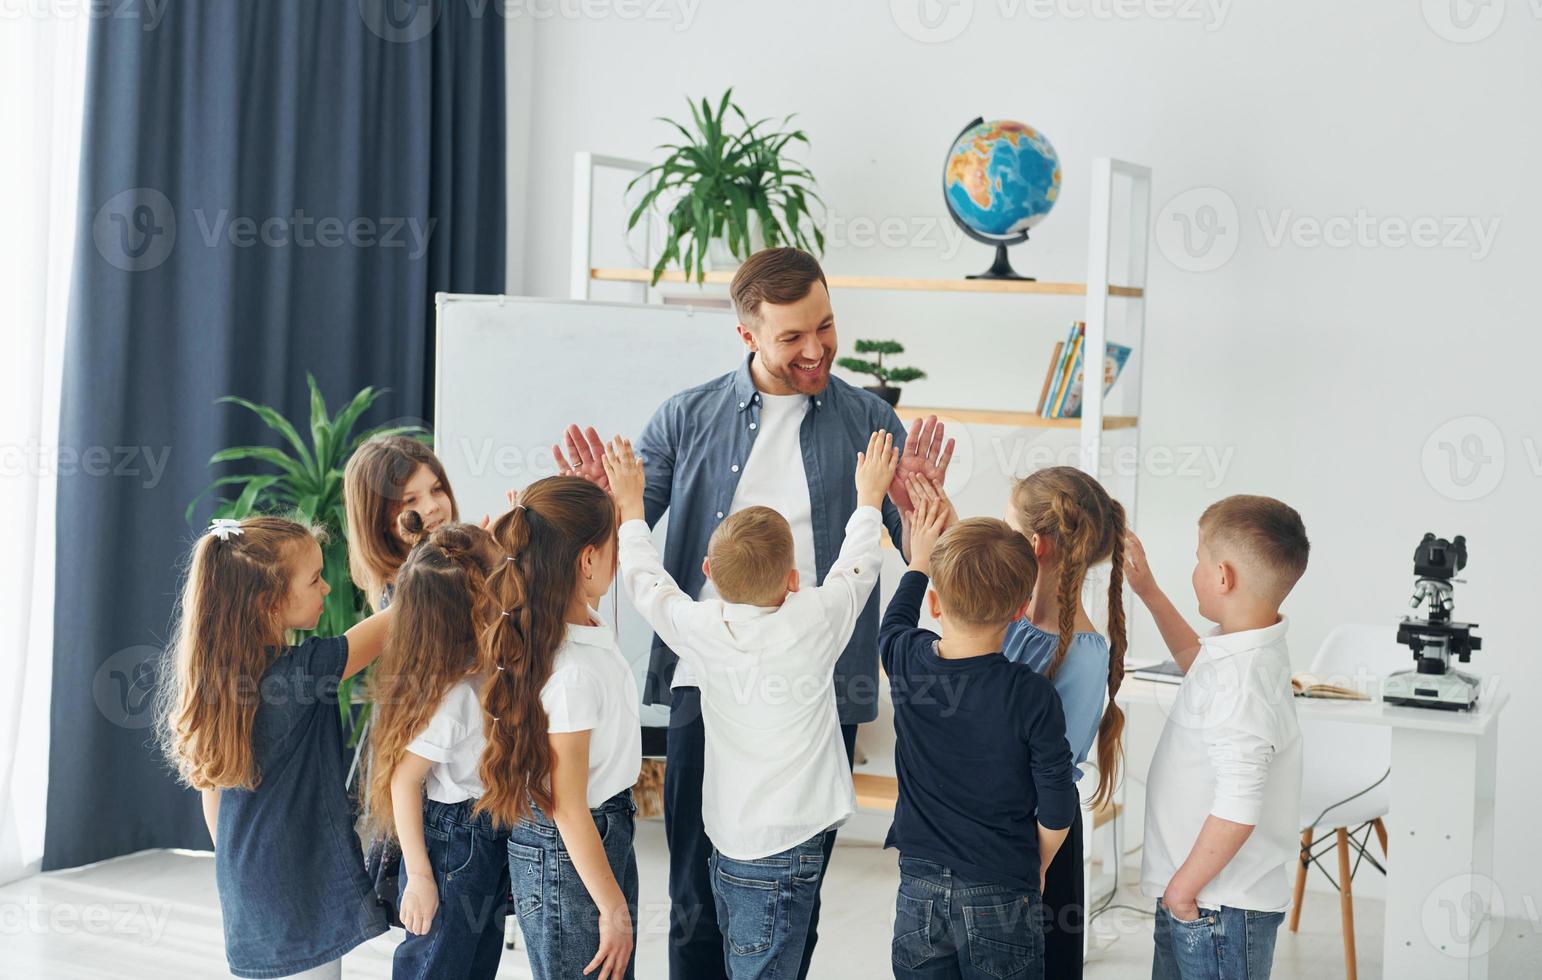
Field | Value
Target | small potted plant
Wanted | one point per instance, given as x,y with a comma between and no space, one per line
899,375
729,189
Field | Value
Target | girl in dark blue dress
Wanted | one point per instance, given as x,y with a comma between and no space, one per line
252,723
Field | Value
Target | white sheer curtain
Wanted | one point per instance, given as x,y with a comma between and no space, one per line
42,73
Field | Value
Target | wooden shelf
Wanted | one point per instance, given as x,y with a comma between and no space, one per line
1021,420
875,792
889,282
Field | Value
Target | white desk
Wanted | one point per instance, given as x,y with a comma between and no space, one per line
1440,891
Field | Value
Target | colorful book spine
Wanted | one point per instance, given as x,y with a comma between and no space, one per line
1063,354
1049,376
1073,361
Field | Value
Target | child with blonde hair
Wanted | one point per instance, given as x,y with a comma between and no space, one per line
250,720
776,781
1223,794
985,791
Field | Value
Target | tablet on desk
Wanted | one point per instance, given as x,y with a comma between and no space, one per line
1166,672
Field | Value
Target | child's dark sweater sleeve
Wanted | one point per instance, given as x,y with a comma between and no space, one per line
1050,754
900,619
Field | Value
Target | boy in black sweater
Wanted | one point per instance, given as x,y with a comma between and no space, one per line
985,790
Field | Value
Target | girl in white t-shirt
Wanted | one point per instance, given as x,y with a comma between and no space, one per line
426,748
564,743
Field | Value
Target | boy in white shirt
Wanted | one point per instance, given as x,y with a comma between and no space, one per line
776,780
1224,789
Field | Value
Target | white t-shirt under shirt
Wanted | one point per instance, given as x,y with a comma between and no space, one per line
592,689
774,477
453,742
1231,747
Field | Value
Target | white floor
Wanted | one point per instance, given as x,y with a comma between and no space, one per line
155,914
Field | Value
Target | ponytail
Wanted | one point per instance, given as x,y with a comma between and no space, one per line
541,540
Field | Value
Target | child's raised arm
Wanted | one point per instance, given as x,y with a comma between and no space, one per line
366,639
652,589
1182,642
932,514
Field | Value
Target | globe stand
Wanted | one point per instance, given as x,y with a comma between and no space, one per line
1001,268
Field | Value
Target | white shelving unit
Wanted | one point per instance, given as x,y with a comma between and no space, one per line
1104,286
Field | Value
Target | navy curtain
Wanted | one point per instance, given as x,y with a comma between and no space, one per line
266,189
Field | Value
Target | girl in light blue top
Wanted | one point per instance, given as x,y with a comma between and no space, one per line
1073,524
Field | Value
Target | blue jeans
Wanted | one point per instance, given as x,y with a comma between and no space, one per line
471,870
560,922
948,927
763,908
695,939
1222,944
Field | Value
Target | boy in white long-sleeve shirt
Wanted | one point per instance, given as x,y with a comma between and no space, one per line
776,780
1224,789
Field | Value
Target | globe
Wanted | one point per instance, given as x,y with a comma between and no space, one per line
1001,179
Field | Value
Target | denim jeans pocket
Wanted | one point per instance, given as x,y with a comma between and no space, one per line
1004,939
457,851
527,878
912,944
1194,944
751,907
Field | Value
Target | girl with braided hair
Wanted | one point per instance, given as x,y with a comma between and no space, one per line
1072,524
426,749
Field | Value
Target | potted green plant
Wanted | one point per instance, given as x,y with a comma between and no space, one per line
899,375
728,193
307,486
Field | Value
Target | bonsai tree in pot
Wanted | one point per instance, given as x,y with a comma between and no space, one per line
899,375
733,189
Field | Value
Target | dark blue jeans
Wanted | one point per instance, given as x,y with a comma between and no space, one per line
948,927
1222,944
560,922
471,870
695,941
763,908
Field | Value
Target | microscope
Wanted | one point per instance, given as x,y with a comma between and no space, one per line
1433,683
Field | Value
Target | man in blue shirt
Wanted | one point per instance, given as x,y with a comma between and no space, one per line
778,431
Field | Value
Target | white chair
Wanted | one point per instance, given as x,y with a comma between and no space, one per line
1345,769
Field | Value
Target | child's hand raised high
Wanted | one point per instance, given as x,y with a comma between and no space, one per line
930,516
875,469
624,472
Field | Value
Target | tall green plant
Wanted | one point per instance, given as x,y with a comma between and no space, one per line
304,480
718,179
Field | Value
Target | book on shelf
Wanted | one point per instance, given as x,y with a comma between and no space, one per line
1049,375
1062,398
1072,353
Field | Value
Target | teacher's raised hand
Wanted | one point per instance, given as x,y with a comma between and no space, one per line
584,456
926,456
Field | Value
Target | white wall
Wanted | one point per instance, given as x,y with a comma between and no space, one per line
1323,371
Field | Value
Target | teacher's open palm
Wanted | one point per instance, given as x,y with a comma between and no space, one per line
926,455
584,455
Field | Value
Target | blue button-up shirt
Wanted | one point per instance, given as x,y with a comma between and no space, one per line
694,449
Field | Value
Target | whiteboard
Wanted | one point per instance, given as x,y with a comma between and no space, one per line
513,372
